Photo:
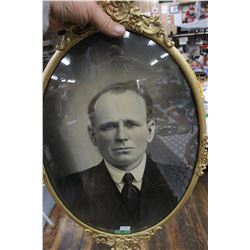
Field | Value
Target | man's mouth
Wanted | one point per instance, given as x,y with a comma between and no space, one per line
122,149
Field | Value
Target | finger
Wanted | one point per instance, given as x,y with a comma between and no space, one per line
104,23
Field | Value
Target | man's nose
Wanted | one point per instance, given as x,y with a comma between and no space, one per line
121,133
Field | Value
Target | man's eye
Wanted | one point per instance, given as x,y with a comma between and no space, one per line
130,124
108,126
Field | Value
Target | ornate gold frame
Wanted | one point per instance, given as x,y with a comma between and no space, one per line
127,14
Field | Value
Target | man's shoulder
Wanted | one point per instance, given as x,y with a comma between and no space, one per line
79,181
95,170
155,164
157,168
152,168
153,175
150,162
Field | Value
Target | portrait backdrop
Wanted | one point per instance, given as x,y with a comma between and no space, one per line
99,61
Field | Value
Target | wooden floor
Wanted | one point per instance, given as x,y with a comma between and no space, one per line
188,230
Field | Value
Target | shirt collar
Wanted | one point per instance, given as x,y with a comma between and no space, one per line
117,174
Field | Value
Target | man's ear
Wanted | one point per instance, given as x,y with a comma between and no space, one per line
151,130
92,135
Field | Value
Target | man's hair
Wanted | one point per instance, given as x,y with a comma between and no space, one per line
118,88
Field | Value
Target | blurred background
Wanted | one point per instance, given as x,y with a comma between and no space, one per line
185,22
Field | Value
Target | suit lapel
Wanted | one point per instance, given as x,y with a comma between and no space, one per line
155,196
106,192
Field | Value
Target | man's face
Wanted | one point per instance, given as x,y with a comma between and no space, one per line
121,131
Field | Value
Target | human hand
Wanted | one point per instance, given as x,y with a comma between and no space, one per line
63,13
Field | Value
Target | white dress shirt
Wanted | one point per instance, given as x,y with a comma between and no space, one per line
117,174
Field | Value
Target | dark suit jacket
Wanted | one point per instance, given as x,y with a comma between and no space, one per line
92,196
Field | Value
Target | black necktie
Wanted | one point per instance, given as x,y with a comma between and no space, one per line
131,196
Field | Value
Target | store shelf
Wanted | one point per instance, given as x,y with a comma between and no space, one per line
190,34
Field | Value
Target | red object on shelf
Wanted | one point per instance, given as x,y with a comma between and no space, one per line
204,46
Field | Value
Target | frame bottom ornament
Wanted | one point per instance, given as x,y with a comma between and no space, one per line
123,242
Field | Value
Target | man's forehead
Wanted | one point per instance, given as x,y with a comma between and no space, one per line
128,97
126,105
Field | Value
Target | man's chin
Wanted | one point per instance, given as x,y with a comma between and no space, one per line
125,164
122,164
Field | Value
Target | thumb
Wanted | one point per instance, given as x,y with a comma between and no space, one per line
104,23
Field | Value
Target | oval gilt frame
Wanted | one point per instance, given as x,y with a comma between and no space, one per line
127,14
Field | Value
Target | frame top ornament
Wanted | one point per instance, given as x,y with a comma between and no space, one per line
127,14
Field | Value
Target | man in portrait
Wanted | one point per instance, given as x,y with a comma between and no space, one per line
126,188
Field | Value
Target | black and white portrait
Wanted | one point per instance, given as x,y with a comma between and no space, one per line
120,133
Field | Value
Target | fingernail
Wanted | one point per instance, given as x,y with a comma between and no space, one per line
119,29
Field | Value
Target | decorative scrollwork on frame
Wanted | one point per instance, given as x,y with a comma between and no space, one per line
204,156
123,242
127,13
123,12
73,34
66,40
